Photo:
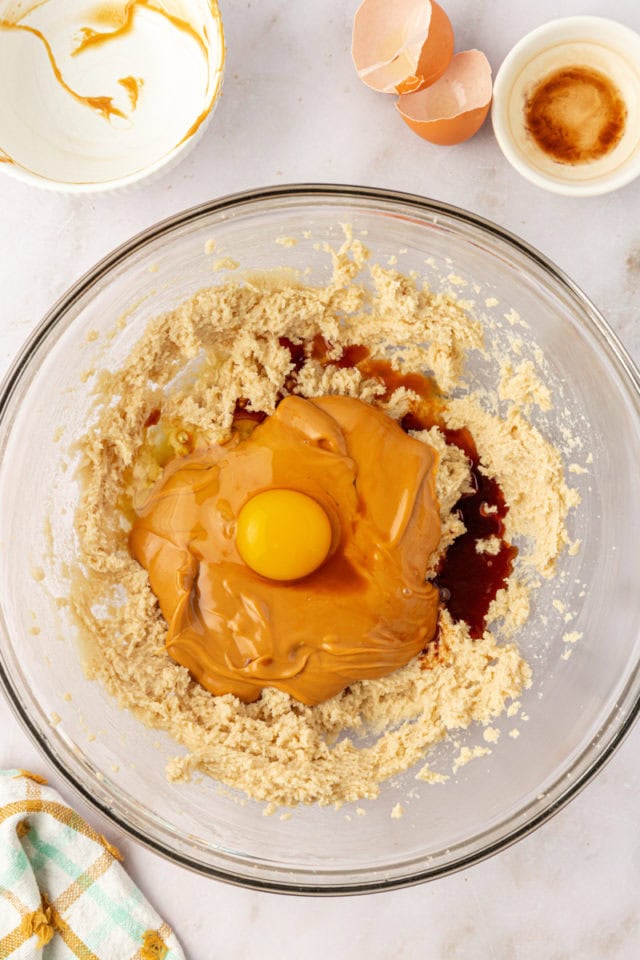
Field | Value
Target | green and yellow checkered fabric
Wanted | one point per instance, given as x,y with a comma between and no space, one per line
63,893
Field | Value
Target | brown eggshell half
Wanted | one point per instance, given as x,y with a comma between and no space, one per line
399,45
455,106
436,54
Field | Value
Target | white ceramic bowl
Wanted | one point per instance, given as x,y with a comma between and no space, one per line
605,45
102,97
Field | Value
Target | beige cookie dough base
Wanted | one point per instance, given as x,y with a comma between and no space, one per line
194,363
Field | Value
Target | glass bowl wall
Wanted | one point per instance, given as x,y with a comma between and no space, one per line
578,709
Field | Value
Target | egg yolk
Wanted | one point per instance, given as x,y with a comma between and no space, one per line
283,534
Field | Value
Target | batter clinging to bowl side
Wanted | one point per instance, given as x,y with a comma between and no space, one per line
181,448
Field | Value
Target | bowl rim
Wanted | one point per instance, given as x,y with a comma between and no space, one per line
569,29
18,369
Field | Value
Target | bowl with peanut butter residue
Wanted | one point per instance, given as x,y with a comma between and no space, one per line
566,110
316,554
104,94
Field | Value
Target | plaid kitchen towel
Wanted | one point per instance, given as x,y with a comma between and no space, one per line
63,893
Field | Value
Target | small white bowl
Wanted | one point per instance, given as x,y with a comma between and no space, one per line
102,97
604,45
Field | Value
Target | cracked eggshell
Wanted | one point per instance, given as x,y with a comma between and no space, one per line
399,46
454,108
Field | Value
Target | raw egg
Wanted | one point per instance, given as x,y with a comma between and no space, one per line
401,46
456,106
283,534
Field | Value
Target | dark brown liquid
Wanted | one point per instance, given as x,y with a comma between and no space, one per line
468,580
576,115
472,579
153,418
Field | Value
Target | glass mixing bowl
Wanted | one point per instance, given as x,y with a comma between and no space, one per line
577,710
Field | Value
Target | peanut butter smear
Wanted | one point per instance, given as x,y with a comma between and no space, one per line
363,614
106,60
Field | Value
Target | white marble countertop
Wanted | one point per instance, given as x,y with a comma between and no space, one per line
293,110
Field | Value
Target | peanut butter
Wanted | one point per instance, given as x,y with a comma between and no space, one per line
363,614
106,61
